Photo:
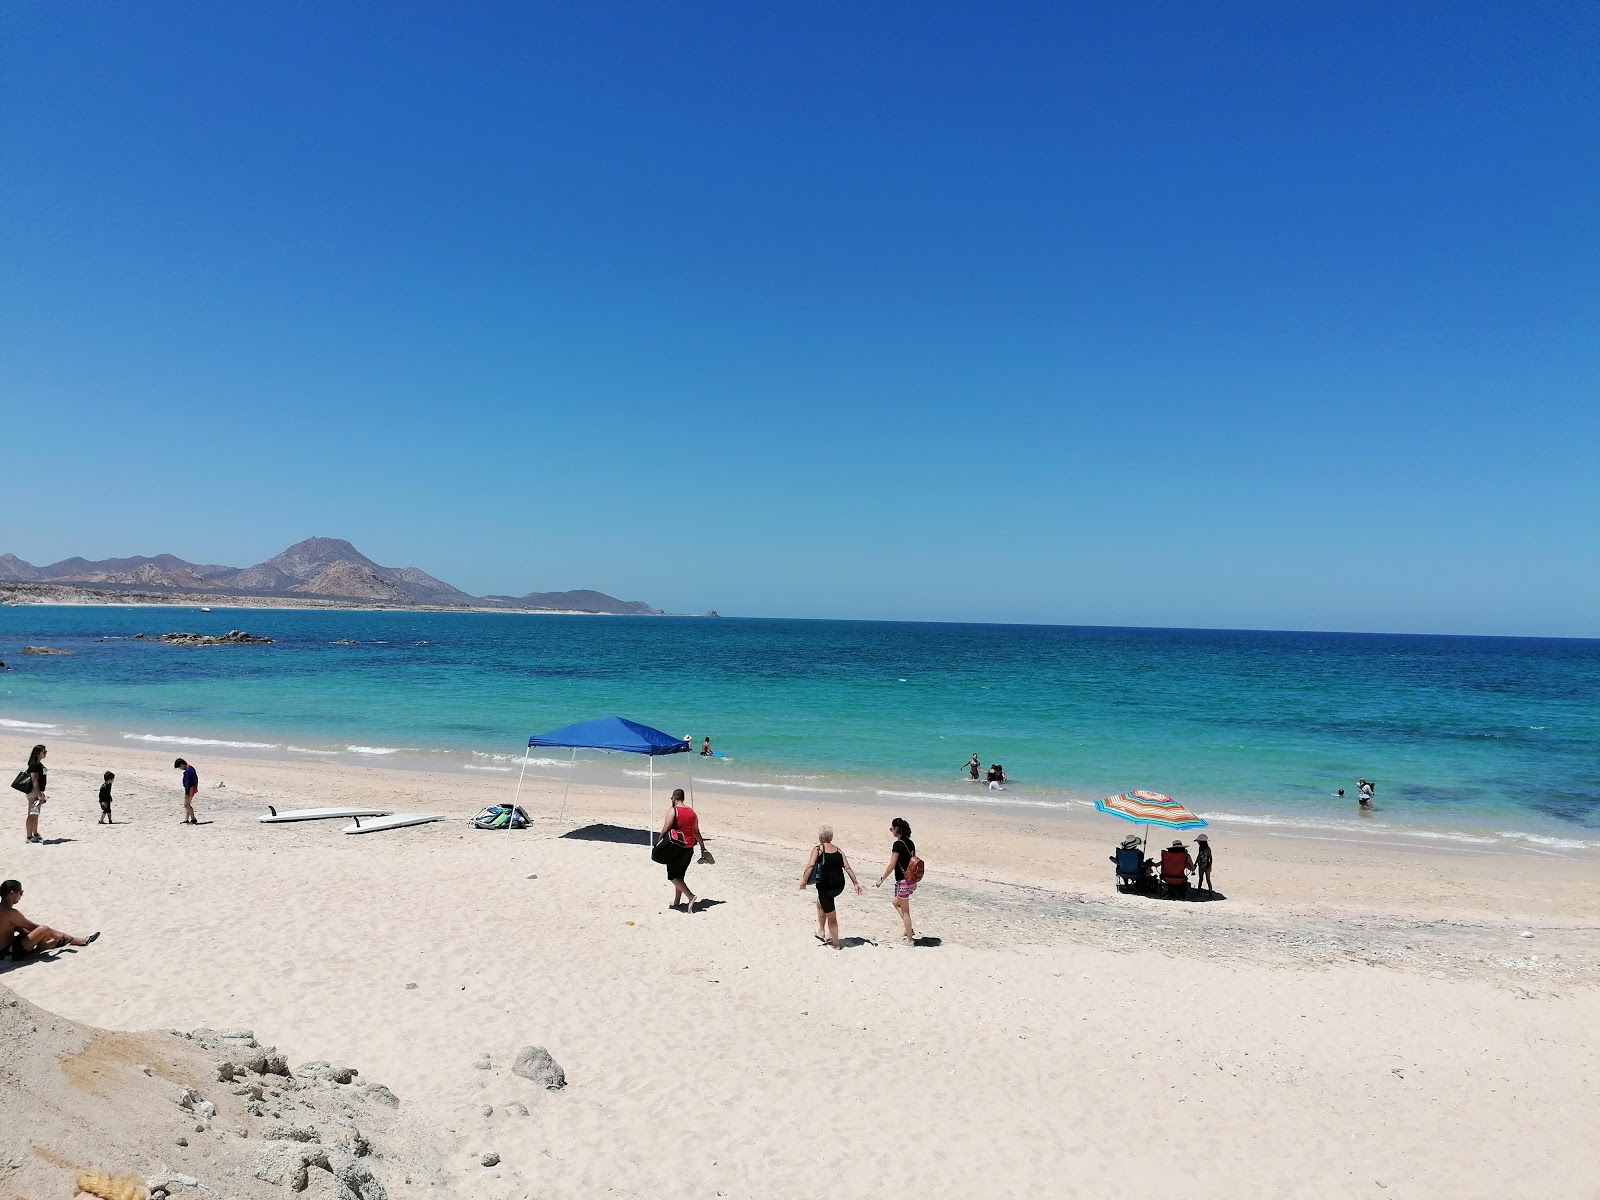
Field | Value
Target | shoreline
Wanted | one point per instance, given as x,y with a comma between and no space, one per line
1288,867
1018,802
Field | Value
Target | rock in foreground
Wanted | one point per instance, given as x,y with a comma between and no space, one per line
534,1063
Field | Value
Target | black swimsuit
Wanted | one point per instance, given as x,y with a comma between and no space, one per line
832,883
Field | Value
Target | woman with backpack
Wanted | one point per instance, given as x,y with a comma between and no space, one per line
907,869
826,867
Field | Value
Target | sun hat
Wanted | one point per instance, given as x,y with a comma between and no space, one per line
1176,845
1202,838
1131,841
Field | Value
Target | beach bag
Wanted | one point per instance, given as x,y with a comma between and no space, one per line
23,782
914,868
501,816
664,851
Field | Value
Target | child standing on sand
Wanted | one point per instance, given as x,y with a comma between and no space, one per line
105,801
1202,862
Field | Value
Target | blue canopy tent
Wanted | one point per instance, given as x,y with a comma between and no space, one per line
615,734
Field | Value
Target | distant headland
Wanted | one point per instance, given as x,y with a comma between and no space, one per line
319,572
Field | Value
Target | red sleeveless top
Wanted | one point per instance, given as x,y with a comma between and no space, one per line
687,825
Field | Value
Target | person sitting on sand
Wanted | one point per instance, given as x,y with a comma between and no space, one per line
900,857
1202,862
974,768
20,937
1133,842
827,866
680,833
191,785
105,800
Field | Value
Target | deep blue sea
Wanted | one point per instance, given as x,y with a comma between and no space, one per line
1475,737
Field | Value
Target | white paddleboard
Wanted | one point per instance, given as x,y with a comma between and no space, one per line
318,814
392,821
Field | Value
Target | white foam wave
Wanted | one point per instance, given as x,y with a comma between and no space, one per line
374,750
172,739
1557,843
476,767
304,750
919,795
517,758
43,726
779,787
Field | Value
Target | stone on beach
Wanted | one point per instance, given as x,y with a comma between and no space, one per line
534,1063
378,1094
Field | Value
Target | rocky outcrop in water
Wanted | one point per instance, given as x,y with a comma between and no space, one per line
234,637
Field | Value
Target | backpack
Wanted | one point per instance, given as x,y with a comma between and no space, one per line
501,816
914,868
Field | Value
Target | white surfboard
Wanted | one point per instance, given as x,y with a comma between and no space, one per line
392,821
318,814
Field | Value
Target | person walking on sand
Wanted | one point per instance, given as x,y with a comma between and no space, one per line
680,834
826,866
20,936
1202,862
901,860
105,800
36,785
191,785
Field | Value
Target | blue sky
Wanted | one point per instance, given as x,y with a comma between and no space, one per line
1254,315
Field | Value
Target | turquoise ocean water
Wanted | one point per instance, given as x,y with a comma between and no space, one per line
1465,737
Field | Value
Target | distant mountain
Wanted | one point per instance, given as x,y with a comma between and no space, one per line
318,568
579,601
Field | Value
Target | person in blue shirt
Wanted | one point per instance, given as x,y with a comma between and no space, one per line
191,785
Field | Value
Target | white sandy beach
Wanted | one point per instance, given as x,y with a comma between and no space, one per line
1356,1018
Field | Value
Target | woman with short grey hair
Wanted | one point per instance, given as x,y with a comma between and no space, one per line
826,867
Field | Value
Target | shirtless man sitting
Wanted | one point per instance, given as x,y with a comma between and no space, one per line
33,938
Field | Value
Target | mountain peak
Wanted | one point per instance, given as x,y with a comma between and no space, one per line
303,559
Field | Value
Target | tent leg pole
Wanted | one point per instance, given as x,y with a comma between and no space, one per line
650,825
571,767
524,771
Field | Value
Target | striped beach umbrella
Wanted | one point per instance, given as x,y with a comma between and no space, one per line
1150,808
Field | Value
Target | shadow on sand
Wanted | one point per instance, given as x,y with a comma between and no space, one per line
610,833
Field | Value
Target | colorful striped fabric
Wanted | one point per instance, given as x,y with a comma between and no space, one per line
1150,808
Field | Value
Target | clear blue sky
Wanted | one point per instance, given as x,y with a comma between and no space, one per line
1265,315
